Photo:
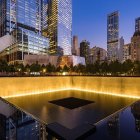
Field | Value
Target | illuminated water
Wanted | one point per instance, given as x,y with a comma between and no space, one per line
39,106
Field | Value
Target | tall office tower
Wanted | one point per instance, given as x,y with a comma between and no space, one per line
44,17
60,26
135,47
22,21
113,36
135,42
20,13
127,52
121,45
137,25
75,48
84,50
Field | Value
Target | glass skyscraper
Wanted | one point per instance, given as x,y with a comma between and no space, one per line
23,20
60,26
113,36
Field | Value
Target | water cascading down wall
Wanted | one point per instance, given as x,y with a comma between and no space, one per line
121,86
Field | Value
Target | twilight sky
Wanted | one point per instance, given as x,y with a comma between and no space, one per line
90,19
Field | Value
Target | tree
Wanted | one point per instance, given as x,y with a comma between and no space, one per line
115,67
3,66
35,67
136,68
90,68
127,66
50,68
27,68
11,68
71,68
19,68
96,67
66,68
59,69
81,68
104,67
43,69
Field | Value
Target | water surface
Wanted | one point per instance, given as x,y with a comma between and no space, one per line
40,107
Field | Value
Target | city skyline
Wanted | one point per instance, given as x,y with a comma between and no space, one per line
90,21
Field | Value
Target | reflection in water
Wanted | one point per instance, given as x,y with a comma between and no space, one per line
16,125
113,125
39,106
135,109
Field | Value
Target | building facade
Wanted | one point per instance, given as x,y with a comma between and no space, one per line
71,60
135,42
121,45
41,59
135,47
84,50
126,52
113,36
60,26
137,25
97,54
75,46
22,19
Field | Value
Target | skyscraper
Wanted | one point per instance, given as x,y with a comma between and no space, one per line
75,47
20,13
22,19
135,47
135,42
60,26
113,36
84,50
137,25
127,52
121,45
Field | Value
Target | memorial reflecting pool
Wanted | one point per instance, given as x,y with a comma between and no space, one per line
92,108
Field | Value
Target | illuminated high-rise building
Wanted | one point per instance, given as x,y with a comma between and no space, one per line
20,14
60,26
113,36
121,45
75,47
22,21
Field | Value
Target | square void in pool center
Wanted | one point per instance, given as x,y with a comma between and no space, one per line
71,102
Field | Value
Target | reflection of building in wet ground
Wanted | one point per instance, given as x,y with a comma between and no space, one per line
16,125
113,125
135,109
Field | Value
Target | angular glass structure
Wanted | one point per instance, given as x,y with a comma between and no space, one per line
23,20
113,35
60,26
